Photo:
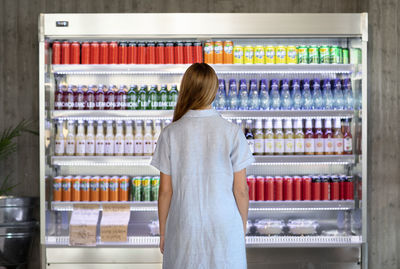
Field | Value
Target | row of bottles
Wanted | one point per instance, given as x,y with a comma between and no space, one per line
269,138
286,94
120,138
101,97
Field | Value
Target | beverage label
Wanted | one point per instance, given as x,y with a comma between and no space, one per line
129,146
76,186
259,146
99,146
89,147
94,186
84,185
109,146
289,145
100,105
269,146
70,148
309,145
104,185
119,146
110,103
58,105
228,49
218,48
348,144
80,147
90,105
251,144
328,145
80,105
59,146
319,145
57,186
148,146
279,145
280,57
299,145
338,145
238,53
69,105
66,186
269,55
291,55
138,145
208,48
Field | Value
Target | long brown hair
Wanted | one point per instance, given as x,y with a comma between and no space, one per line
198,89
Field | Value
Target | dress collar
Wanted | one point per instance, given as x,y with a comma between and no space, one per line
201,113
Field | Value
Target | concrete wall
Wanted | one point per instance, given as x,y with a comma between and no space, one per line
19,94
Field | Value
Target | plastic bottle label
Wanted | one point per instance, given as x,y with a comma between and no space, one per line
148,146
119,146
89,147
251,144
80,147
129,146
109,146
338,144
289,145
99,146
59,146
299,145
259,146
309,145
70,148
328,145
269,145
319,145
59,105
132,105
348,144
90,105
279,145
138,145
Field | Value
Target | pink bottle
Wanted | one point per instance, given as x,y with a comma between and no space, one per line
79,100
110,97
90,101
120,98
68,97
59,98
100,98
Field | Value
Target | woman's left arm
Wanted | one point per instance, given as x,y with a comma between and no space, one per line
164,201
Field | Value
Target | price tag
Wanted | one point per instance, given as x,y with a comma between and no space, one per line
114,223
83,225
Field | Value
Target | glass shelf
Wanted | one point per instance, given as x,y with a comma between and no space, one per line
254,206
167,114
97,69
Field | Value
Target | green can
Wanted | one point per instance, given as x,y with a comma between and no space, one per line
345,57
313,55
146,189
155,186
324,56
136,189
335,54
302,54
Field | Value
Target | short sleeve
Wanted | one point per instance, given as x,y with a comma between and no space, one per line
241,155
162,157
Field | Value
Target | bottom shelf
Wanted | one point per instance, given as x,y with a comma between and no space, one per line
251,241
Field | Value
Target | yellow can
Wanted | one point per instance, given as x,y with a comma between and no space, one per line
238,55
291,55
259,55
280,55
269,52
248,54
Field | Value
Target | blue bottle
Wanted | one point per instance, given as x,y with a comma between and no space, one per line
296,95
243,95
348,94
274,95
220,99
306,93
337,94
286,99
254,101
264,95
318,101
327,94
233,99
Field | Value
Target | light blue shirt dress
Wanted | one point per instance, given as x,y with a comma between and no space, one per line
204,229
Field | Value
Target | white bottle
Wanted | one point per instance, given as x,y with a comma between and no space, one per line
70,147
319,141
288,137
129,147
100,139
148,139
279,142
59,140
298,137
119,140
258,138
156,135
109,140
269,147
80,139
139,138
90,144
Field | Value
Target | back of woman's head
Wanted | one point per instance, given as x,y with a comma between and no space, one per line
198,89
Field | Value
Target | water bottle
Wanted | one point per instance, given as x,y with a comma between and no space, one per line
243,95
264,95
348,95
306,93
254,101
337,94
233,100
274,96
318,101
286,99
296,95
220,100
327,94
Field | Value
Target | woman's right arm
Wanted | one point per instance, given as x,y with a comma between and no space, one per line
241,193
164,201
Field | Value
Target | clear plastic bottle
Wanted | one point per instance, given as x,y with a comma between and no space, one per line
274,95
318,101
70,140
109,141
220,99
318,138
80,139
338,94
129,147
296,95
156,135
348,95
306,94
347,138
90,143
243,95
269,147
119,139
258,138
327,94
298,137
233,99
264,95
99,139
148,139
286,99
328,138
309,140
254,98
338,138
249,135
59,148
139,138
279,142
288,137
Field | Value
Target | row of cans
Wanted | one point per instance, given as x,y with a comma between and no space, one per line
300,188
105,189
180,52
218,52
289,55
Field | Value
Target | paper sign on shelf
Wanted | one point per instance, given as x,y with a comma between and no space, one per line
83,225
114,223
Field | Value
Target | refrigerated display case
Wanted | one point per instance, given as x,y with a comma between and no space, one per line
283,232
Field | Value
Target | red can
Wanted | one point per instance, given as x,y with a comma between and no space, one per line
141,53
316,188
278,186
65,52
123,53
104,53
342,179
197,52
94,53
178,49
188,53
335,188
132,53
151,53
260,188
169,53
297,182
85,55
269,189
325,188
306,188
160,56
75,53
113,52
349,188
288,188
251,183
56,53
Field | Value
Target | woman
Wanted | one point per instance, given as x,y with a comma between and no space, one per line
203,197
